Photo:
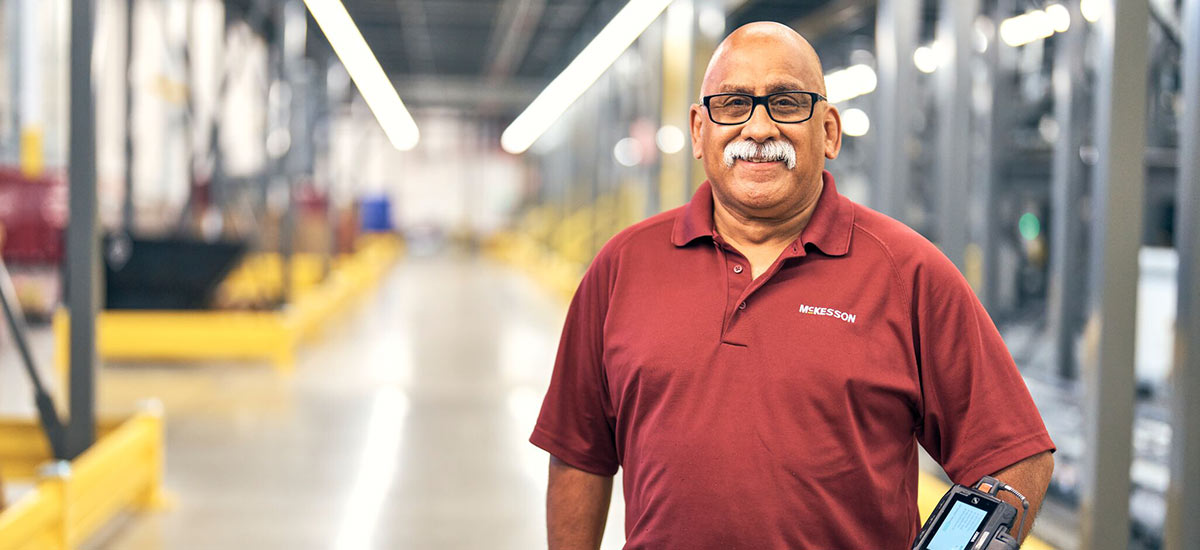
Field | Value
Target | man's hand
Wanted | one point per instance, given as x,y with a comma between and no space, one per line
576,507
1031,477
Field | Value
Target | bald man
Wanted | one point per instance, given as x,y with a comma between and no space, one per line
762,362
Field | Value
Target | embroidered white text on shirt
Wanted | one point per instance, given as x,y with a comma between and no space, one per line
828,312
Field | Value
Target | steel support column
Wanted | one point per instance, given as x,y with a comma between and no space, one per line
127,200
28,77
1183,495
993,129
954,32
711,25
83,257
1118,200
895,41
12,28
1065,307
677,62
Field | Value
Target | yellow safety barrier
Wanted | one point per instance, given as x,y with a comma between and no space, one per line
72,500
235,335
259,279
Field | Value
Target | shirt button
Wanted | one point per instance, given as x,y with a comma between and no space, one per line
742,305
737,269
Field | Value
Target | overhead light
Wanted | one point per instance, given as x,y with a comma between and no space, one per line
1060,17
670,139
364,70
855,123
926,59
1027,27
849,83
628,152
584,70
1092,10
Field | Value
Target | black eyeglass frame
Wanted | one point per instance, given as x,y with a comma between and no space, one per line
757,100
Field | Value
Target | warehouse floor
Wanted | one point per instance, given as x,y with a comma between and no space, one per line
405,425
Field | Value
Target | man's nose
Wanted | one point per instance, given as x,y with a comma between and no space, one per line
760,127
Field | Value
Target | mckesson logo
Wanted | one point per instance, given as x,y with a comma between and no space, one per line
828,312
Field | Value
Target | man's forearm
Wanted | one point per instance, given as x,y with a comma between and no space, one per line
1031,477
576,507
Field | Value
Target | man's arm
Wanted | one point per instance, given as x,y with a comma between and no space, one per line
576,507
1031,477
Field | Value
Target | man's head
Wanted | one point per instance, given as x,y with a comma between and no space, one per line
750,164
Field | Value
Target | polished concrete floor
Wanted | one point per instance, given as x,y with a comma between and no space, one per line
404,426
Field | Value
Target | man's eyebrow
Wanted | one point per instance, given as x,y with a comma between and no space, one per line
779,86
784,87
735,89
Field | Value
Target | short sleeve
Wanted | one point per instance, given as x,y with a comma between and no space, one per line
977,415
576,421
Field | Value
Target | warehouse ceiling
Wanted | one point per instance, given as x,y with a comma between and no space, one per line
492,57
489,56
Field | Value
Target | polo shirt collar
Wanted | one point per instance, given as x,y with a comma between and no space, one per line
829,229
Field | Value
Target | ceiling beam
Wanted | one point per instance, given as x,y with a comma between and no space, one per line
511,36
415,30
468,93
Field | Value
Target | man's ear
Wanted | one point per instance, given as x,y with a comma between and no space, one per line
696,119
832,122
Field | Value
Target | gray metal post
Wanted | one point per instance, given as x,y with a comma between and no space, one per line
1119,184
12,29
954,31
1183,495
83,257
993,128
895,41
127,202
1065,307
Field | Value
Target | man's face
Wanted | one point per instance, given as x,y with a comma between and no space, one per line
759,66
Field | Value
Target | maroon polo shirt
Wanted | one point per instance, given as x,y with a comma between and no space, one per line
781,412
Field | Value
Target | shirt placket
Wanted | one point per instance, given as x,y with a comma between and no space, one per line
737,278
741,285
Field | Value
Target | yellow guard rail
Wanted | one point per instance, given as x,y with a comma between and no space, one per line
71,500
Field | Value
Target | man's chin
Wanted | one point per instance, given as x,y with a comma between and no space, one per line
766,194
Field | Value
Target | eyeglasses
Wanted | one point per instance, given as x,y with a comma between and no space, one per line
782,107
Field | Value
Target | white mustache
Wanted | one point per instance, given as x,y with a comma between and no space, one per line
770,151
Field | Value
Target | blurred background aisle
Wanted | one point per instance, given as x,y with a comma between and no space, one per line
405,427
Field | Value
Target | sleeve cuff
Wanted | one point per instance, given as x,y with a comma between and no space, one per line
574,458
1002,458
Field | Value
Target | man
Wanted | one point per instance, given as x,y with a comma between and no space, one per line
764,360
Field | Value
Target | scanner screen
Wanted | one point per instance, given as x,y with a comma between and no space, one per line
958,527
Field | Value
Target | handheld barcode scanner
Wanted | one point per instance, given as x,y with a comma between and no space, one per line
973,518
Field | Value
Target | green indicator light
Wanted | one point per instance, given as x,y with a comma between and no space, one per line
1029,226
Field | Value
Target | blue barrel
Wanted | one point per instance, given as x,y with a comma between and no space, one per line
376,214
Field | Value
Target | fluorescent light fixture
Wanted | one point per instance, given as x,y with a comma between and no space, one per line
628,152
1060,17
855,123
364,70
926,59
850,83
600,53
1026,28
1092,10
670,139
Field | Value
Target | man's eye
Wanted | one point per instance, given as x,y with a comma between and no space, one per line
737,102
